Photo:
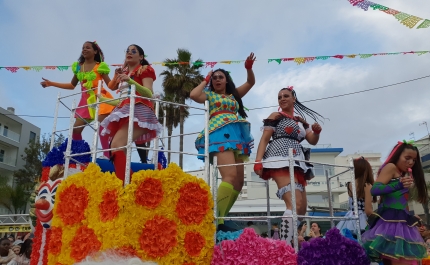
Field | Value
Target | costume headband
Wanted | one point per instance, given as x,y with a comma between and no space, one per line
100,51
399,143
288,88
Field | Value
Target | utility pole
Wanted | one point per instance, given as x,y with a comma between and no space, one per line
425,123
412,136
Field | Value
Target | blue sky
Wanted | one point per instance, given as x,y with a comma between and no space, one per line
52,33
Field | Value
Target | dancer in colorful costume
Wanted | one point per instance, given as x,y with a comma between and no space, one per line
88,70
136,71
287,131
393,234
363,182
230,138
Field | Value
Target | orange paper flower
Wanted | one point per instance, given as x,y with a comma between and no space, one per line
158,237
109,206
55,241
72,205
149,193
192,204
84,243
194,242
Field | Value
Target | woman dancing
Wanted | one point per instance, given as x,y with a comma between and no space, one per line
136,71
287,131
88,70
393,235
230,138
363,183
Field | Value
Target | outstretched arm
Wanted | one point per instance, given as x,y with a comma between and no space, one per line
69,86
383,185
250,80
197,93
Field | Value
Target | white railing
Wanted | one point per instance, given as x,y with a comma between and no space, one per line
15,219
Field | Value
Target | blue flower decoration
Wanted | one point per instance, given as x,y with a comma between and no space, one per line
221,235
56,155
162,158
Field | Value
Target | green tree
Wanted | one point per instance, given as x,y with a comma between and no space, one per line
413,196
13,198
35,153
179,79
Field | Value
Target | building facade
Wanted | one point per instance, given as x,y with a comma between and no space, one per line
15,134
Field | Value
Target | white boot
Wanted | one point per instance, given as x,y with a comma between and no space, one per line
287,227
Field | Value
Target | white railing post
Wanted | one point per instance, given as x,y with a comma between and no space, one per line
130,135
293,199
354,199
54,126
207,153
96,123
69,139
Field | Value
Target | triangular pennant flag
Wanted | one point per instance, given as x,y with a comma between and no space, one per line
63,68
12,69
309,59
198,63
287,59
37,68
379,7
351,55
226,62
365,5
421,53
211,64
236,61
364,56
50,67
401,16
299,60
411,21
391,11
354,2
393,53
26,68
322,57
1,67
276,60
425,24
338,56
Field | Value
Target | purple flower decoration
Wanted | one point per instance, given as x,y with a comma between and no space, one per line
333,249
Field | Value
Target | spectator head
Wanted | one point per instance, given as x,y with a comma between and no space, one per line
26,248
4,246
16,249
250,223
11,238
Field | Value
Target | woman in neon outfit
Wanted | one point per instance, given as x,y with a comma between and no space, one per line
229,134
88,70
136,71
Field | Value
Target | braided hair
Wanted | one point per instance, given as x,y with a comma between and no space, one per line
230,88
302,109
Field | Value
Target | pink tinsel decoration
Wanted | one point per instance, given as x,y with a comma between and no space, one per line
252,249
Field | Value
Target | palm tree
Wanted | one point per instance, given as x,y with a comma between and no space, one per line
14,199
179,79
172,118
413,195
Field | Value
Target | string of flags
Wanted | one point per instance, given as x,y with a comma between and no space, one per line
297,60
408,20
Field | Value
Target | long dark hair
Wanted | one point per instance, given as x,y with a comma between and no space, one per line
364,175
417,169
230,88
98,57
302,109
142,62
26,246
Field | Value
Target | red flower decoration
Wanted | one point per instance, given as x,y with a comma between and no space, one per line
218,104
221,148
109,206
37,243
45,174
289,130
149,193
192,205
55,241
158,237
84,243
72,205
194,242
239,146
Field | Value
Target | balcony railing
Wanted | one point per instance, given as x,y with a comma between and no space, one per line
10,134
8,160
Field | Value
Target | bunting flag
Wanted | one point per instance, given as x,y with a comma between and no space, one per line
297,60
408,20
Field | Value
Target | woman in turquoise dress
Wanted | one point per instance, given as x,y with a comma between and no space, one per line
230,137
392,233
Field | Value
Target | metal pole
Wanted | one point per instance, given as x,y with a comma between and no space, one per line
130,135
213,180
207,158
69,140
330,204
293,199
354,199
164,125
54,126
96,124
155,152
269,224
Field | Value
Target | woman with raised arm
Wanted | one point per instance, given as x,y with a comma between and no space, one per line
287,131
88,70
230,137
136,71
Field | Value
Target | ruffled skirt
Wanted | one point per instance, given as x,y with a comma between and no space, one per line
85,113
233,136
144,117
393,234
352,224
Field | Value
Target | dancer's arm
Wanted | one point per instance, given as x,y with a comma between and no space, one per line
264,141
106,78
69,86
368,208
250,80
143,90
108,101
113,84
383,185
197,93
314,136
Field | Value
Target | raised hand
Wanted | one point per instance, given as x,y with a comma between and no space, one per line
250,61
208,77
316,128
45,83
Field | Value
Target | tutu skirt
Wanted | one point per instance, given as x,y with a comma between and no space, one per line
393,234
144,117
231,137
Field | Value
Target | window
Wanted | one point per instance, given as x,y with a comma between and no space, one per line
5,130
32,136
1,155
